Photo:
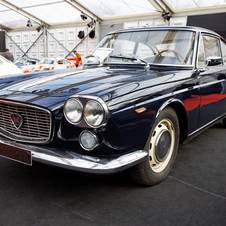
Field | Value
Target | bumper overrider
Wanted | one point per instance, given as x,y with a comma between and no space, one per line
26,153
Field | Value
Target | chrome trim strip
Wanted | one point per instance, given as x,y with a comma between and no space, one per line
151,64
211,83
206,125
165,104
16,137
169,95
75,161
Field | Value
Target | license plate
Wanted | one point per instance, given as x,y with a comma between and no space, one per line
16,154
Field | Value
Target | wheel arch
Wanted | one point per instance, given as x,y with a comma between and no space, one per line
178,106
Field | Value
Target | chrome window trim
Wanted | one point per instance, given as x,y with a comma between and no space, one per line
205,33
195,50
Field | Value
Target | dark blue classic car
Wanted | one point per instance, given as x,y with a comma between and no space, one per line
140,93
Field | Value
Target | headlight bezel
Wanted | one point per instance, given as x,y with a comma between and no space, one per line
88,121
84,99
66,115
94,137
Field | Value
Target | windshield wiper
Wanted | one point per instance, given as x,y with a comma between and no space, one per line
131,58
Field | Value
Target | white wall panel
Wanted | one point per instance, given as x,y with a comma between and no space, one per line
25,37
18,37
71,38
178,21
34,49
60,50
71,34
33,36
128,25
146,23
52,47
66,36
60,34
11,47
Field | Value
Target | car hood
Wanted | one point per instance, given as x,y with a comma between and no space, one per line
104,82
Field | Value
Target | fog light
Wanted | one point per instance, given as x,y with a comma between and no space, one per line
88,140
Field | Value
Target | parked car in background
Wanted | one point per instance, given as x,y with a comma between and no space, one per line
8,68
141,92
24,61
49,63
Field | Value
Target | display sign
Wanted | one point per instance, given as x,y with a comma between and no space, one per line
101,53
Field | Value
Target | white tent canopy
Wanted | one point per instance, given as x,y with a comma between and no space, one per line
16,13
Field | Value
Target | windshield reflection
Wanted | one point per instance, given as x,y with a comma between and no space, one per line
166,47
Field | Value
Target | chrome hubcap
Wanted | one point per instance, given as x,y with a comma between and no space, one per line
161,145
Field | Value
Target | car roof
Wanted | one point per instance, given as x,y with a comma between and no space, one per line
191,28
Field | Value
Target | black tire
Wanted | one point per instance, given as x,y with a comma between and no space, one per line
162,146
224,122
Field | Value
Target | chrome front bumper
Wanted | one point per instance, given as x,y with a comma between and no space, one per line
25,153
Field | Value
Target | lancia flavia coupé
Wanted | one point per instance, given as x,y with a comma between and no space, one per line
138,95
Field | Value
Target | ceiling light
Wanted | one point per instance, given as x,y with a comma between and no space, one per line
92,34
29,24
39,28
166,16
90,24
81,34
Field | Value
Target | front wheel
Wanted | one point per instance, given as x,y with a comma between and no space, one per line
224,122
162,146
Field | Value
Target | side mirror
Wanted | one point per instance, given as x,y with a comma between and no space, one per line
213,61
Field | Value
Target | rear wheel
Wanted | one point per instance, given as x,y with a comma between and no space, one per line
162,146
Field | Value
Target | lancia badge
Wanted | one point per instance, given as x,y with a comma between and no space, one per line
17,120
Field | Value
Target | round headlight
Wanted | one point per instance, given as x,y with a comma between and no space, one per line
94,113
88,140
73,110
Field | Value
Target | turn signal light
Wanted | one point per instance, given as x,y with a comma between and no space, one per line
140,110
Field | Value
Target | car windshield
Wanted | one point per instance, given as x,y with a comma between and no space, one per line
167,47
20,61
46,61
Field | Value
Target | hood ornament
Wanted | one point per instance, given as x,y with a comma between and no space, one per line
17,120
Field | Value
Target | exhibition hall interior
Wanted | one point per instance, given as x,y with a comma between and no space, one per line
113,112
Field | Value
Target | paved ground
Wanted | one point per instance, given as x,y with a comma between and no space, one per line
193,194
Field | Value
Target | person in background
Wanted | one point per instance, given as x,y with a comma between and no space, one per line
8,55
78,59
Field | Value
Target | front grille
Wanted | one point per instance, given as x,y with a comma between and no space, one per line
36,122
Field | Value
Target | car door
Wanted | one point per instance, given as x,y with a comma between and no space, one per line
212,81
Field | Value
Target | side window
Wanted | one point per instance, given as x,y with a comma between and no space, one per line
208,47
211,46
223,47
